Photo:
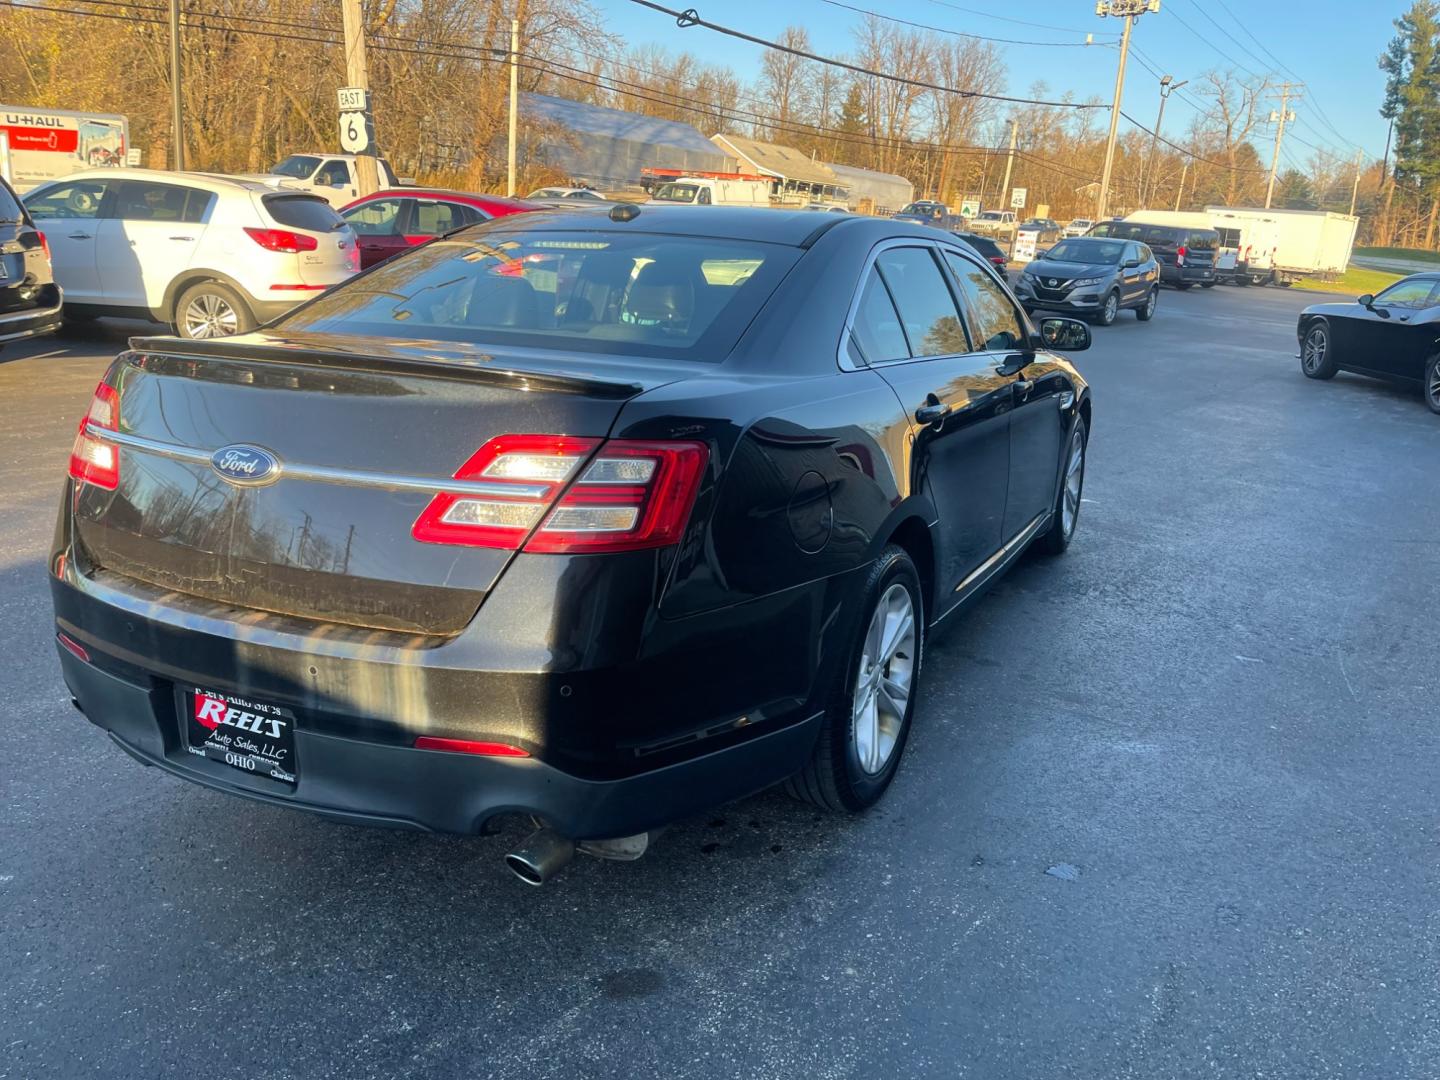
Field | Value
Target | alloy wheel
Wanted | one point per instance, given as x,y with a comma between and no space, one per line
1150,304
1432,385
1317,344
884,680
1074,481
210,316
1112,307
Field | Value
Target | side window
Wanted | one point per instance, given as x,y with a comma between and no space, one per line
379,217
80,199
877,332
926,305
333,174
1157,237
1407,294
141,200
432,217
1146,254
704,197
997,324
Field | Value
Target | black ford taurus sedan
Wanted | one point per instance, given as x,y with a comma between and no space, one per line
602,521
1094,278
1393,336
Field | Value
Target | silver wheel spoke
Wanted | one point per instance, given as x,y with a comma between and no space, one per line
883,681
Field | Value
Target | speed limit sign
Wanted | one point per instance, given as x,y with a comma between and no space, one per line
354,132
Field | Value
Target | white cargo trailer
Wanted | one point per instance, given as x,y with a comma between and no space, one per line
1285,246
46,144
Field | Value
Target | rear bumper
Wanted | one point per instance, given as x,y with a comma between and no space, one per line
1187,275
18,325
703,710
366,783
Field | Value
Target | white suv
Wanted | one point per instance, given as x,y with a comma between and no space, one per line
211,255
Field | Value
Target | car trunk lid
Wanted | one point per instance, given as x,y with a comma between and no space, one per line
364,433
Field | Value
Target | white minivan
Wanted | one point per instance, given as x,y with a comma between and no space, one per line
707,191
210,255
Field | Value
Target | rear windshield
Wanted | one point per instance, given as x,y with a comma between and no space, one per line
677,297
298,166
1202,239
10,211
309,212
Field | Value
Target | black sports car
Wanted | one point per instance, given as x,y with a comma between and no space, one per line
1395,335
602,519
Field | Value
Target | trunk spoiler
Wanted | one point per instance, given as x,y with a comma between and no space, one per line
387,358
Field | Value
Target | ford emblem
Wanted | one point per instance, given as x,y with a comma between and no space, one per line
247,465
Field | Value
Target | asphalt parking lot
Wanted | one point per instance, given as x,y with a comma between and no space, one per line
1170,808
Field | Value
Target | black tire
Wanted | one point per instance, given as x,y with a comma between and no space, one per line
1056,539
1259,279
1317,351
1146,311
1207,284
228,307
1110,311
1431,385
834,779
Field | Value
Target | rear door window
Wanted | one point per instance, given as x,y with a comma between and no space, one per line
996,323
144,200
78,199
926,305
876,332
432,217
1201,240
308,212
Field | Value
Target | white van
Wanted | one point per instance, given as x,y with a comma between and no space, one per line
706,191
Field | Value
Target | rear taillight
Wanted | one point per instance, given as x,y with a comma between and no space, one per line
282,240
94,460
552,493
44,245
1180,255
470,746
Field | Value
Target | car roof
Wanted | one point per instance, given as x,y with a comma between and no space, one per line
471,197
205,181
797,227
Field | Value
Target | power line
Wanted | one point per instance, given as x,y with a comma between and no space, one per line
956,33
689,18
1239,44
1017,22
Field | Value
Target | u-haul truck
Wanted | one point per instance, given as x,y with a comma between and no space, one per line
46,144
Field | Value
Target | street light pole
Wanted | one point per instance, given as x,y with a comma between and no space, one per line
1129,10
1168,85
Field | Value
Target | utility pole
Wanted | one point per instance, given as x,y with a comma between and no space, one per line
514,105
357,74
1181,193
1281,117
1168,85
177,99
1128,10
1009,163
1355,189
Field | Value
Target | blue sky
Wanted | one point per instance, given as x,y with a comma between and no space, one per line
1331,45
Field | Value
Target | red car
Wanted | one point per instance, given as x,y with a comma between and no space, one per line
389,222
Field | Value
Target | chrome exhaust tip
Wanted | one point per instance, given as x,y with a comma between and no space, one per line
543,855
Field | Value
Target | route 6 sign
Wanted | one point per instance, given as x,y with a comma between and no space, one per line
354,132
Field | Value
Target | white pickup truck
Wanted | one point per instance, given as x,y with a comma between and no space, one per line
331,176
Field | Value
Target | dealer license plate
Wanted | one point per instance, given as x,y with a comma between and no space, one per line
251,736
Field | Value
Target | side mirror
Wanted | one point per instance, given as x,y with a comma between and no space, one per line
1131,264
1368,300
1067,335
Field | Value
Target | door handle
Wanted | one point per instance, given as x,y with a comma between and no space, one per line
932,413
79,236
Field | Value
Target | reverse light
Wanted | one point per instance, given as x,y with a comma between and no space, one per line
282,240
550,493
94,460
468,746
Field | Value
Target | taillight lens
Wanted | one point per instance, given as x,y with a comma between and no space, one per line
94,460
44,244
1180,255
556,494
282,240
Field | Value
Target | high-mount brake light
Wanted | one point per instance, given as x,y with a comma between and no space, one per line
550,493
94,460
